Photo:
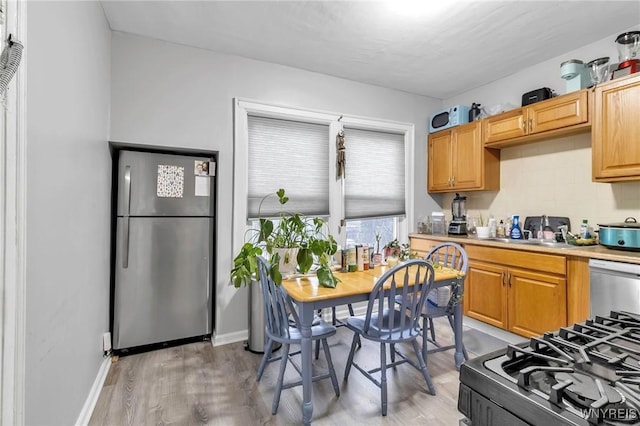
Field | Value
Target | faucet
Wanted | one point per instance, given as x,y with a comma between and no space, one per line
544,226
564,229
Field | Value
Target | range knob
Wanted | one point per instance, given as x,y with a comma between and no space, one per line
620,242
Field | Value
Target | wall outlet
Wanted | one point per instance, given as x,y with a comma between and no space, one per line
106,342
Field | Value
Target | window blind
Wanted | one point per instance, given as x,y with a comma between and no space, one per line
292,155
374,178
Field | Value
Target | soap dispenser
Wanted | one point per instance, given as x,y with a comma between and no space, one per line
516,232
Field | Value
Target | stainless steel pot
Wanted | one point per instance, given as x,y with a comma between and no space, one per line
624,235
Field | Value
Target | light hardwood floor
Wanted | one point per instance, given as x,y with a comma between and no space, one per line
200,384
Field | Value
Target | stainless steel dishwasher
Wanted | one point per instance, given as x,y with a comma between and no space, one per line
614,286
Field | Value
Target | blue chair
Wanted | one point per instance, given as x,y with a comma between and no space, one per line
451,255
282,326
390,326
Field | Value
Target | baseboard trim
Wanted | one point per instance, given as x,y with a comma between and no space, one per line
94,393
225,339
241,336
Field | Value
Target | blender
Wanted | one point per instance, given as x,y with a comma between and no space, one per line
628,45
458,225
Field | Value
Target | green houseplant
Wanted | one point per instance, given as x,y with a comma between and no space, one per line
291,235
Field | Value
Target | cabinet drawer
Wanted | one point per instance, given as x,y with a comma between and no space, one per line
422,246
554,264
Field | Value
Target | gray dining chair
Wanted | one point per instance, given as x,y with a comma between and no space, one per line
388,326
451,255
283,326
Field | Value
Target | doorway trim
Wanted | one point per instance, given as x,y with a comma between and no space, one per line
13,202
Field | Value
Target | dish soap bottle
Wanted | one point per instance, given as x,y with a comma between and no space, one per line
584,229
516,232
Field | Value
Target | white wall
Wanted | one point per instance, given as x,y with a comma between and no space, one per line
550,177
171,95
68,89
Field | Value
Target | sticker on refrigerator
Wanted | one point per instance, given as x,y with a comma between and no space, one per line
202,186
170,181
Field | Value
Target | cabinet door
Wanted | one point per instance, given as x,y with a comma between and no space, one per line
563,111
537,302
439,161
508,125
467,158
485,293
615,130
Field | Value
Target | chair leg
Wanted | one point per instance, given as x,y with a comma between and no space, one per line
464,349
354,342
283,367
424,338
423,368
433,329
265,358
333,315
332,372
383,378
317,349
392,351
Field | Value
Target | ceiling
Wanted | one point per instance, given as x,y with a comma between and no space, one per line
447,50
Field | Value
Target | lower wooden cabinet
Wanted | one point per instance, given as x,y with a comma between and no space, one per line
526,293
485,294
516,294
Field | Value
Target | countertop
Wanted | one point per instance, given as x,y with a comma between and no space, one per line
591,252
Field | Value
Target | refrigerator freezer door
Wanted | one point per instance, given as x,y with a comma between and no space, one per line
164,292
151,184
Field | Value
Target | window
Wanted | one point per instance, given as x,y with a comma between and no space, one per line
278,147
288,154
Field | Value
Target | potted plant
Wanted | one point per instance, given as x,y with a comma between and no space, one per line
291,242
405,253
392,249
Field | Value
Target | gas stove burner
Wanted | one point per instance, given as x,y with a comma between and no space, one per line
585,374
583,390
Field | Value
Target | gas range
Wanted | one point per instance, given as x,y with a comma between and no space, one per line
586,374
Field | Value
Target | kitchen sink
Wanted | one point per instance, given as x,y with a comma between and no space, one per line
534,242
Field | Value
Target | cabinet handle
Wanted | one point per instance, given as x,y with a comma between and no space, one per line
523,126
509,278
530,125
502,278
453,181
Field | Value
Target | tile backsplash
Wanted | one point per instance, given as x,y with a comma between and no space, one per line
553,178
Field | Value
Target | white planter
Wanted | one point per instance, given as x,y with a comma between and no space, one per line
288,260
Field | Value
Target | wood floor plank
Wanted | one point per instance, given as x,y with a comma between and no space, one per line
197,384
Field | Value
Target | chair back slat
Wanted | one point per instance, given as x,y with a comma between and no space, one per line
275,307
449,254
412,280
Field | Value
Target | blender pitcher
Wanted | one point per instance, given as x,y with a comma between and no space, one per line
458,225
628,45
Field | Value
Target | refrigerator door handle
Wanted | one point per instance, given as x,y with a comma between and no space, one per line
127,189
125,242
125,229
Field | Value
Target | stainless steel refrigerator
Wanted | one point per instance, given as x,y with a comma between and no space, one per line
163,262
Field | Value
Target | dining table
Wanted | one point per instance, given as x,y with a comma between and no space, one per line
309,297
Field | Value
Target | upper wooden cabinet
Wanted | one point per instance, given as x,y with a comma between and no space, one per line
615,136
457,160
560,116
